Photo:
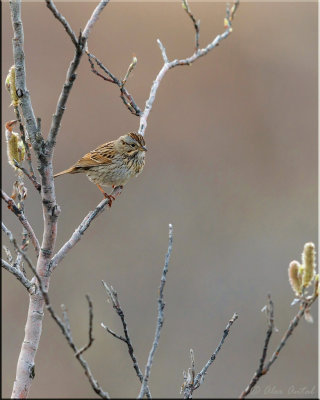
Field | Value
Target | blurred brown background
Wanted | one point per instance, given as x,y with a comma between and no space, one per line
232,164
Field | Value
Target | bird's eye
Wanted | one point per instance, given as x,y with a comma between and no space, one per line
132,145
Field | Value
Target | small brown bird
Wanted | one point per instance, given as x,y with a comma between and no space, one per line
112,163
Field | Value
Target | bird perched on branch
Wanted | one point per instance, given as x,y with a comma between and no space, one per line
112,163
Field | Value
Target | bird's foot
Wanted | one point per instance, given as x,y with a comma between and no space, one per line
110,197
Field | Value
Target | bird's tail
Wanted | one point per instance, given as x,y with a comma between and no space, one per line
66,171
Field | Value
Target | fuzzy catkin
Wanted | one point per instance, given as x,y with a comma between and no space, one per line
11,86
308,262
295,280
15,148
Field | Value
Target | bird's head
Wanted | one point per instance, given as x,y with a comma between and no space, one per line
131,144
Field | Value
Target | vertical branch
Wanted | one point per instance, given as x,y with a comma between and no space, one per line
21,87
160,318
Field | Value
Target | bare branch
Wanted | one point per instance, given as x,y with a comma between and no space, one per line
187,61
22,218
65,329
14,269
61,106
113,333
77,234
20,77
66,333
160,318
18,274
163,51
31,176
113,296
91,339
66,319
196,23
94,17
264,368
200,377
189,384
63,21
17,248
270,316
71,75
8,254
125,96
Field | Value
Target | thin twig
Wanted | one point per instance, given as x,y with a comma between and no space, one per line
71,75
160,318
8,254
65,329
264,368
191,384
113,296
15,245
113,333
270,316
163,51
18,274
91,339
22,218
196,23
66,319
63,21
125,96
31,176
77,234
14,269
200,377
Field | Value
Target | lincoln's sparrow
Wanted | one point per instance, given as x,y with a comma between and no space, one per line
112,163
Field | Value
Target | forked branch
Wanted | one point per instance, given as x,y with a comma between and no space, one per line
80,45
63,21
66,331
113,296
77,234
193,381
22,218
109,77
199,52
264,367
187,61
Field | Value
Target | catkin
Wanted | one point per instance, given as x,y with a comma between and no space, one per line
295,277
11,86
308,262
15,148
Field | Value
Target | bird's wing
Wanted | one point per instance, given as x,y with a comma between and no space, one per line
100,156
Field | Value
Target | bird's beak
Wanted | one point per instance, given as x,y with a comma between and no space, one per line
144,148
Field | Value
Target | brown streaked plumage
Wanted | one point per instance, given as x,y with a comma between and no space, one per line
112,163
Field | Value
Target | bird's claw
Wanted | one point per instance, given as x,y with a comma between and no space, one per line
110,197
